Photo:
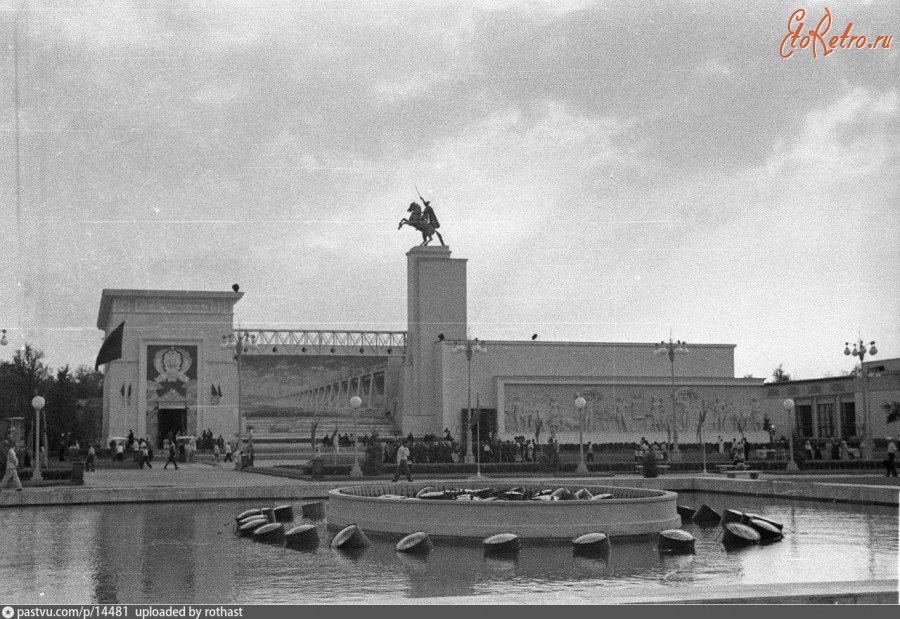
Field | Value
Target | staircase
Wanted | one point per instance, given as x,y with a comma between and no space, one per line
285,433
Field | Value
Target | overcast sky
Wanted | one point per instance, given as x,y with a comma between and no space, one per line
612,171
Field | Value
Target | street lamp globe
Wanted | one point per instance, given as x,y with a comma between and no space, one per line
3,340
355,402
580,403
37,402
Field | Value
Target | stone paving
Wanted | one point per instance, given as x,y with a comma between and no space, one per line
198,474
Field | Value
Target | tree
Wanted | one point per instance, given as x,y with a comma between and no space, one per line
60,409
892,410
20,380
88,383
779,375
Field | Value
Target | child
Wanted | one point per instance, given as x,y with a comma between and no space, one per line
216,453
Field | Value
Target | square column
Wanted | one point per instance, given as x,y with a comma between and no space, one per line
436,303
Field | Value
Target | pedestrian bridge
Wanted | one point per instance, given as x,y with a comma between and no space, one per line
306,342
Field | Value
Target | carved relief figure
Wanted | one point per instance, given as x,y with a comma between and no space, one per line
655,415
638,408
619,413
553,417
755,410
719,409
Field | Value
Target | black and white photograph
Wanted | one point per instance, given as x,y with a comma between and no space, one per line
447,302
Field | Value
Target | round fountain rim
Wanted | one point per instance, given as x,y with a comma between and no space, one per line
653,495
648,513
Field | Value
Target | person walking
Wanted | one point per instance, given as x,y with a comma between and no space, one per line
216,453
171,459
12,472
145,456
91,458
228,451
402,463
891,462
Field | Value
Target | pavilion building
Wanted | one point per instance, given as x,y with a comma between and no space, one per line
175,374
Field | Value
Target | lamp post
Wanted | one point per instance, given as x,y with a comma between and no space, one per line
240,344
580,403
3,340
479,451
670,348
355,403
789,407
37,403
702,442
469,347
859,350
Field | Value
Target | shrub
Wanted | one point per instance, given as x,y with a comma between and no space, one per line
371,465
650,467
550,455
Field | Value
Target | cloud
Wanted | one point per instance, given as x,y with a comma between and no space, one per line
607,168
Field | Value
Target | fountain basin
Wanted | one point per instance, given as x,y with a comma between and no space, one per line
629,512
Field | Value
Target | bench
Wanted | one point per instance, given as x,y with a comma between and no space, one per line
748,473
662,468
724,468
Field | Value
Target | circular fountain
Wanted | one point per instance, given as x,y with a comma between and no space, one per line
623,512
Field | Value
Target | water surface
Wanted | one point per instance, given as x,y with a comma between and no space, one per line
182,553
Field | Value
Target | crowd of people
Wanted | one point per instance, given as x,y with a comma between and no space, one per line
432,450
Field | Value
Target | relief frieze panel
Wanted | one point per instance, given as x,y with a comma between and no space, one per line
621,409
168,306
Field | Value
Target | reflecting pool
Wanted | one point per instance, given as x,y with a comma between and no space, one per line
182,553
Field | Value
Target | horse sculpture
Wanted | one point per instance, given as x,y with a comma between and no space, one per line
422,223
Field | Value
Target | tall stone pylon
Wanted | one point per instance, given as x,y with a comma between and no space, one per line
436,303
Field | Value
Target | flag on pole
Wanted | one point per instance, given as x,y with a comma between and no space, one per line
112,347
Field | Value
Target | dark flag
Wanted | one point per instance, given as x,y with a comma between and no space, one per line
112,347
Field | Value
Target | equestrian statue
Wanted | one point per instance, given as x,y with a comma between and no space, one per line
423,220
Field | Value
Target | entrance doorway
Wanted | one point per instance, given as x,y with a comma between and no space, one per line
170,420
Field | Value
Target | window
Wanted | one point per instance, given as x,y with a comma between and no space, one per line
848,419
825,418
804,419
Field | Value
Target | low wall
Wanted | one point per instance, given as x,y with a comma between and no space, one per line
88,496
632,512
